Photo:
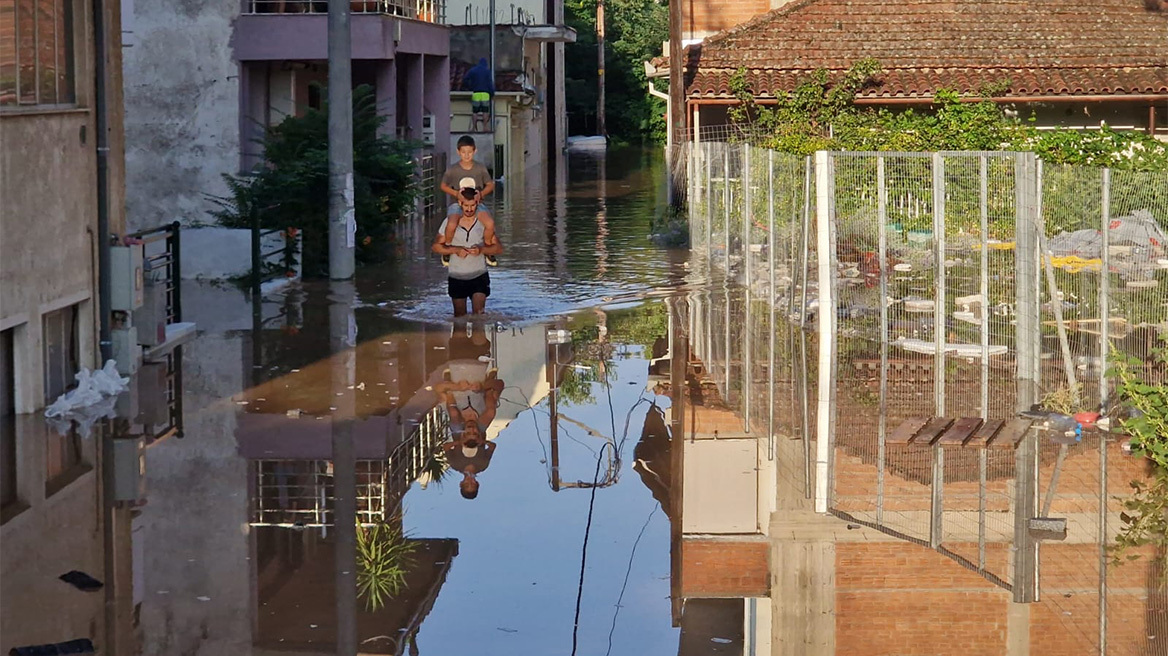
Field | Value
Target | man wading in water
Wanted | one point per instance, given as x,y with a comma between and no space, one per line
473,241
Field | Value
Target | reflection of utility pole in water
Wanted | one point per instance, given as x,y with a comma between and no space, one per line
602,218
342,343
678,364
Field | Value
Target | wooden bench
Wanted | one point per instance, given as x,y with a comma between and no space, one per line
971,432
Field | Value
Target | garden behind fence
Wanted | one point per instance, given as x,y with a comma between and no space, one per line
868,288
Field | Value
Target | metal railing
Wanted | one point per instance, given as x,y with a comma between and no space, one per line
300,493
429,11
162,251
274,262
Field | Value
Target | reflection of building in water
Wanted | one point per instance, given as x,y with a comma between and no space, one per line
924,544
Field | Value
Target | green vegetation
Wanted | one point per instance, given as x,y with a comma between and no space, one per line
635,30
1145,403
383,559
290,188
821,114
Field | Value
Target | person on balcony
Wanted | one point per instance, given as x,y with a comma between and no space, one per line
482,88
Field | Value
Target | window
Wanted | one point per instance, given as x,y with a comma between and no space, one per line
61,359
36,53
8,469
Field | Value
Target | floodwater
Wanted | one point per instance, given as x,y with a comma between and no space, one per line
627,501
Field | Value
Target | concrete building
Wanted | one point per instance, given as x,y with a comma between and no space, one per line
258,62
50,492
531,126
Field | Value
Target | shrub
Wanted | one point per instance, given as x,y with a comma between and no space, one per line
290,187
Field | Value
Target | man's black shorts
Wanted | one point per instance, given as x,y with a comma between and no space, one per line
467,288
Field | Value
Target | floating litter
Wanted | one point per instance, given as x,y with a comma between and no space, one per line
721,641
203,598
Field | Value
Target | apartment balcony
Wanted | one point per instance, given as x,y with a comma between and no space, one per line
276,30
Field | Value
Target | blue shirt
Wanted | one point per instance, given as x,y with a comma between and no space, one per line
478,78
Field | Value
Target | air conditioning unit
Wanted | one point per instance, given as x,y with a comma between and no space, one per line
428,129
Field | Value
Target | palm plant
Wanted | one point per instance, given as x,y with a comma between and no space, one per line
383,560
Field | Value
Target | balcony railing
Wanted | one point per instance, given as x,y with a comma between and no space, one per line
430,11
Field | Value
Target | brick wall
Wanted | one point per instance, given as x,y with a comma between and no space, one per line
724,568
898,598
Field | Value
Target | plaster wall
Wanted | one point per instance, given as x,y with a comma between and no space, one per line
182,108
48,227
51,536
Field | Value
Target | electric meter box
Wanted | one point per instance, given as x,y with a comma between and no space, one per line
428,129
127,278
129,470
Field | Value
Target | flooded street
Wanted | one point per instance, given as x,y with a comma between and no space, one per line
565,547
619,458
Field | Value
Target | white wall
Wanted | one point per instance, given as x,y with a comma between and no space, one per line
182,108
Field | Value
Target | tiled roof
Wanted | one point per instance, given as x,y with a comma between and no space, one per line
1043,47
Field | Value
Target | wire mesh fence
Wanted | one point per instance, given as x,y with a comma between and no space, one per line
870,288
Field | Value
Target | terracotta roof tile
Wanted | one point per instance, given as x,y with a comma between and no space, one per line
1043,47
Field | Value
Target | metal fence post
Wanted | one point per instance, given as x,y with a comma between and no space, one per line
1103,556
937,500
1028,222
1105,291
882,221
771,304
709,195
747,218
984,291
939,291
726,203
805,274
825,190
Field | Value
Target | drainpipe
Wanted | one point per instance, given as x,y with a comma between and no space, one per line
103,228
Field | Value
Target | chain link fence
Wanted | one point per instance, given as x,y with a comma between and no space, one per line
954,284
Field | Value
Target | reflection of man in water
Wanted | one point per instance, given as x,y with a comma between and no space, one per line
470,392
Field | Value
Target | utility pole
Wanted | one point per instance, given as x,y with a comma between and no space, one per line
676,107
601,129
491,113
342,216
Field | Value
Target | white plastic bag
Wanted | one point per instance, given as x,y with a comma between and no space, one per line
91,389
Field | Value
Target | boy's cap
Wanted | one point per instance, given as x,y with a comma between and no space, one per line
467,183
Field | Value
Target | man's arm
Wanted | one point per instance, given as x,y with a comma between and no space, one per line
491,244
440,245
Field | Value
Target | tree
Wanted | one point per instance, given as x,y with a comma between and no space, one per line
636,29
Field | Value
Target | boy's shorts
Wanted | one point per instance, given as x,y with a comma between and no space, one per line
455,208
459,289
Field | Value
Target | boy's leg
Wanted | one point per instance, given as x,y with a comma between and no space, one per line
459,306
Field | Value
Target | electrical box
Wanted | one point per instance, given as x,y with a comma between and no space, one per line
129,475
428,128
153,406
127,281
126,351
150,318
